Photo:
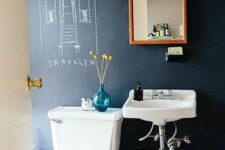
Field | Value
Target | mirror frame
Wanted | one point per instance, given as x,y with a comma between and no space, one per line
172,41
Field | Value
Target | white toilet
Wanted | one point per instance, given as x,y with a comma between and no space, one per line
74,129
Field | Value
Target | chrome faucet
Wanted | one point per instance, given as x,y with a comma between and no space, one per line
162,94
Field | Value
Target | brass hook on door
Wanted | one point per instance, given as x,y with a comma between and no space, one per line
36,83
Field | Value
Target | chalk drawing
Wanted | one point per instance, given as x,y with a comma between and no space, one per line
69,14
96,28
84,11
50,10
68,25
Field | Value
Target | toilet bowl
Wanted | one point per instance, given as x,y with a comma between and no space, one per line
74,129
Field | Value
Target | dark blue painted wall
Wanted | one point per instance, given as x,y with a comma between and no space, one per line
203,71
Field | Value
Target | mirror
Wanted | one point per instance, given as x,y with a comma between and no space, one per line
158,21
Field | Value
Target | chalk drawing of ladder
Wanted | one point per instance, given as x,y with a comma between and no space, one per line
68,25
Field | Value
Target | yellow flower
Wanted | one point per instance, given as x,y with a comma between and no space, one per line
103,56
95,56
110,58
91,52
106,57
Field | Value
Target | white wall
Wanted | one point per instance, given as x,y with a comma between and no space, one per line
140,19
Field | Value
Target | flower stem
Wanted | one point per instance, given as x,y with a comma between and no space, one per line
102,68
107,65
96,64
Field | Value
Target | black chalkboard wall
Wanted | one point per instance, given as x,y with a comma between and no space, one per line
68,74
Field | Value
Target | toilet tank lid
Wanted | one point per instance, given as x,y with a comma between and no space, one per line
77,112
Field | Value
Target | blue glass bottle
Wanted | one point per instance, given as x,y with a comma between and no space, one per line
101,99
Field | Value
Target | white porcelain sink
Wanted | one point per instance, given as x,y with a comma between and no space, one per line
161,111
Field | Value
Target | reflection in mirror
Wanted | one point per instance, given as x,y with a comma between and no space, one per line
155,20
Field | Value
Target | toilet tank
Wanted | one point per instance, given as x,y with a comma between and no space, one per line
74,129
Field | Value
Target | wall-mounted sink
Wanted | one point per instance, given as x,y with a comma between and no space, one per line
160,111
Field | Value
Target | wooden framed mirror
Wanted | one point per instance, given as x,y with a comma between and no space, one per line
158,21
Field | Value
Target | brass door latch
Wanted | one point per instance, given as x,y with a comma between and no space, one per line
36,83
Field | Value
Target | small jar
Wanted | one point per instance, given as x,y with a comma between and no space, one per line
86,104
162,33
157,34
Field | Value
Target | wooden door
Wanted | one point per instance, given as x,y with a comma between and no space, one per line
15,100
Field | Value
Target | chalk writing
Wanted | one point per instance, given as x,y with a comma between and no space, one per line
70,62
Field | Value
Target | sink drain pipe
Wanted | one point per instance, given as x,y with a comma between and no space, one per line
147,135
174,134
170,142
162,137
